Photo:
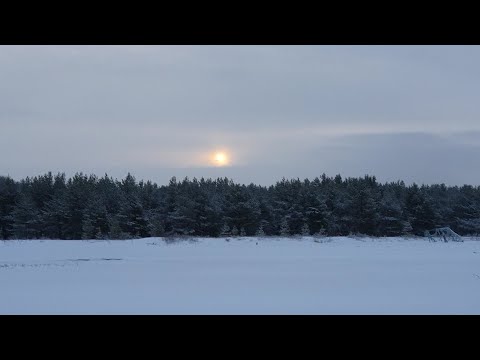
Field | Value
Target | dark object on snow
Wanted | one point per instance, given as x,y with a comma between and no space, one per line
445,233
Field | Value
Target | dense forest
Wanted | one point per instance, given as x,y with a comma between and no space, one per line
89,207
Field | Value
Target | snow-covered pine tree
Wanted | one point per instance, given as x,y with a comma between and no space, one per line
225,230
260,232
26,218
305,230
321,233
364,209
407,228
467,212
284,228
115,230
88,229
390,215
99,235
8,197
155,225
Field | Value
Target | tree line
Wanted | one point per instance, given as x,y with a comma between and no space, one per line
91,207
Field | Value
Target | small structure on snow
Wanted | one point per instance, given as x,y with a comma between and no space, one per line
444,232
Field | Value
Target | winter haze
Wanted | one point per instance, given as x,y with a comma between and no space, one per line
396,112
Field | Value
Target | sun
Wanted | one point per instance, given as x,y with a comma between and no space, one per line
220,158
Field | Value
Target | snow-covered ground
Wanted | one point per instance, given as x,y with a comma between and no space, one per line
215,276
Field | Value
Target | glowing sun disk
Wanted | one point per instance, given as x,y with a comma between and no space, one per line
220,159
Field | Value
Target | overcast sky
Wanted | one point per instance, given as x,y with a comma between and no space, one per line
397,112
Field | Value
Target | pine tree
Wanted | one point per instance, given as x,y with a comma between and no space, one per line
155,225
225,230
260,232
99,235
466,212
364,210
87,228
316,213
79,191
390,215
26,218
419,210
55,216
207,210
321,233
284,228
242,232
115,230
8,197
305,230
132,215
244,210
407,228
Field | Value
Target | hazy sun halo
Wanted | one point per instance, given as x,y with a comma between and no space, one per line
220,159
